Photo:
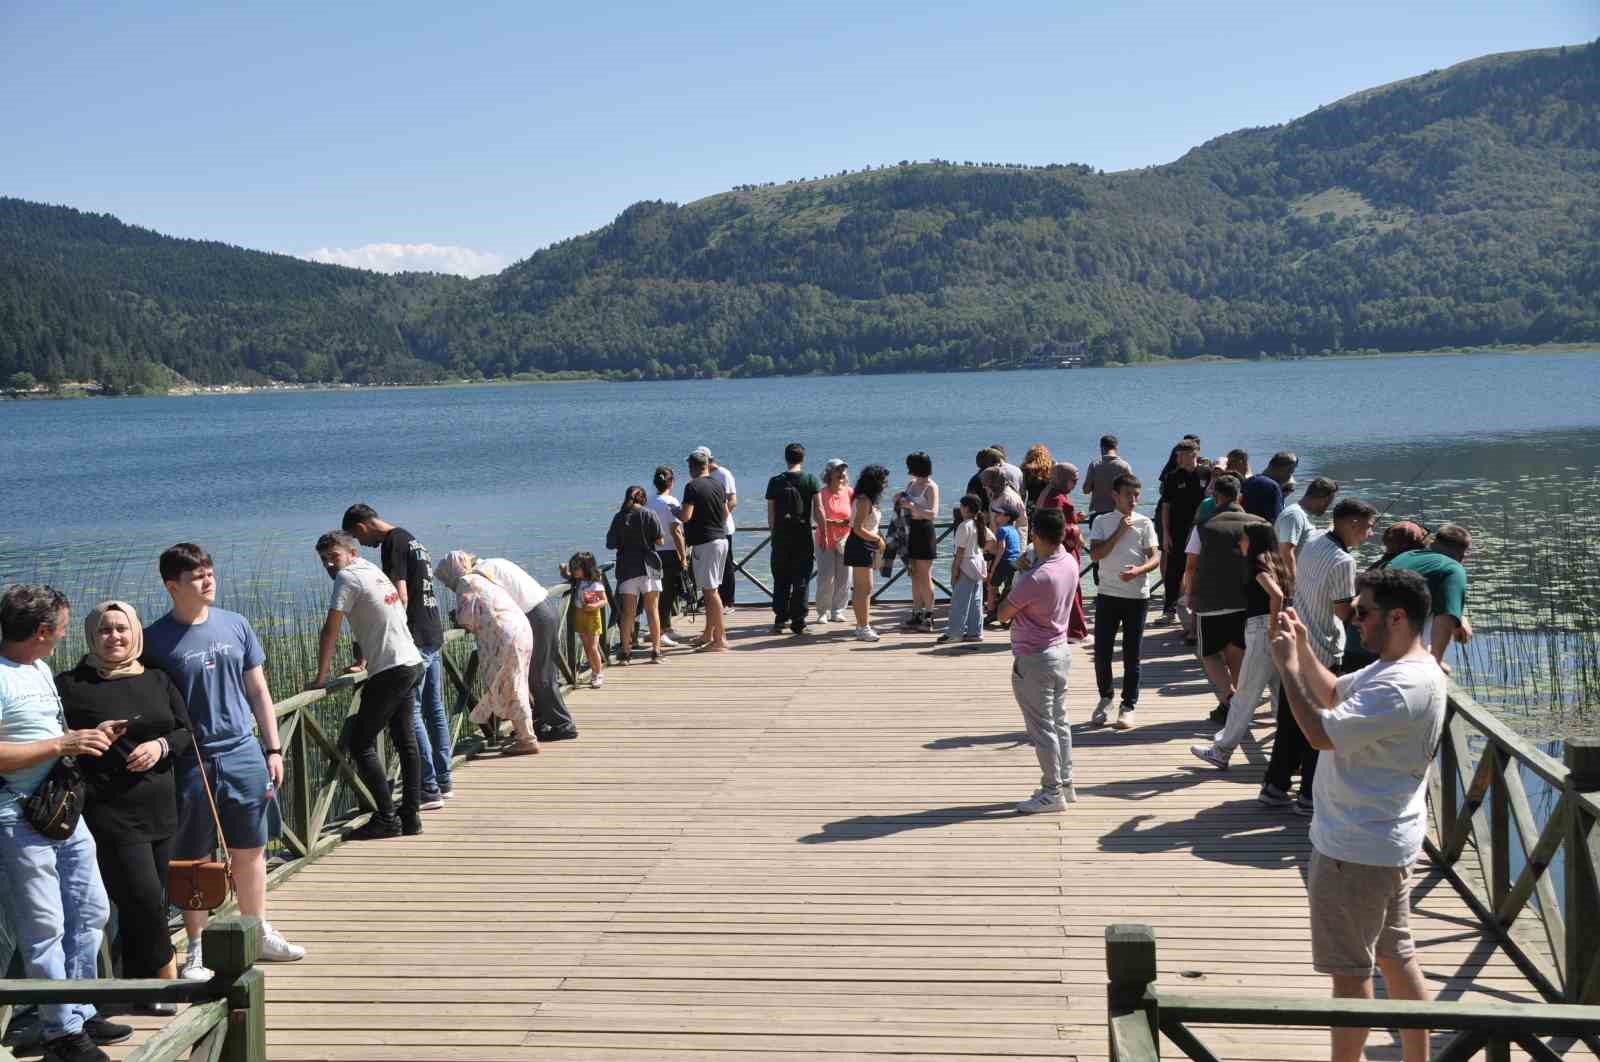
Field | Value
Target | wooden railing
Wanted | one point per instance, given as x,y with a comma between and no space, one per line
1140,1013
1490,814
225,1022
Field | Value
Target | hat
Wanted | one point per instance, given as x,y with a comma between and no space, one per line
835,462
1007,506
702,452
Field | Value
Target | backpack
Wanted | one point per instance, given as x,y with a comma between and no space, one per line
792,509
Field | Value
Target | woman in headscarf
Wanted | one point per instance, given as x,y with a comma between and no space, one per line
505,646
132,805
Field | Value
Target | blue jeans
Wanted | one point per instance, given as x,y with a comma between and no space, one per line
61,910
966,608
428,719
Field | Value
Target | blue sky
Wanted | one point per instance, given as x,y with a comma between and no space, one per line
487,130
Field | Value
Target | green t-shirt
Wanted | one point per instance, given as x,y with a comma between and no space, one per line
1203,512
807,486
1447,579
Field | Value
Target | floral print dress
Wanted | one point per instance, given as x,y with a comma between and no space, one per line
505,650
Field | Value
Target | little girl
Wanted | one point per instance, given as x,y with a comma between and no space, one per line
967,571
589,591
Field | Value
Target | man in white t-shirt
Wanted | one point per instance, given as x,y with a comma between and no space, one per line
381,638
724,479
1123,543
1381,726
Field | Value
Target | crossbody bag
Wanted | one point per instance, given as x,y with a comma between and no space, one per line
202,884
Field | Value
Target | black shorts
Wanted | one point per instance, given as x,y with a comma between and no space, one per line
1001,573
1219,632
858,553
923,542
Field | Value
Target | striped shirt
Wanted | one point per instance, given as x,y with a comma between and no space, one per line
1325,574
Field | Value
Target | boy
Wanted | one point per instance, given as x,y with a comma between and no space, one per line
1006,547
216,661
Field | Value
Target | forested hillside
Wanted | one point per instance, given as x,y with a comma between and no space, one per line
1457,208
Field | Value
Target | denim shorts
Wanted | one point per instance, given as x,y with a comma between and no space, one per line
243,790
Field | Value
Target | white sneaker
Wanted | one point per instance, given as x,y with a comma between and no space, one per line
276,949
668,643
1043,802
1212,755
1100,718
193,968
1125,719
866,634
596,682
433,803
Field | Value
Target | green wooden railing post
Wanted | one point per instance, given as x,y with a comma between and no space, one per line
232,946
1131,970
299,761
1582,875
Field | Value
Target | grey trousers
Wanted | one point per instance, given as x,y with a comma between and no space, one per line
833,581
544,678
1039,682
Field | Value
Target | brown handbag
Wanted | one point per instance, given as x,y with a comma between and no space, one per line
202,884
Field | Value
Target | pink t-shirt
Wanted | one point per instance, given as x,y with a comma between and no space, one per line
1043,597
834,507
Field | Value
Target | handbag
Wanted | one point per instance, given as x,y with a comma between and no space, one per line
57,805
202,884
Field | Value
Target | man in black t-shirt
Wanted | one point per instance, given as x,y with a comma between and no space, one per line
704,512
407,564
1182,491
791,501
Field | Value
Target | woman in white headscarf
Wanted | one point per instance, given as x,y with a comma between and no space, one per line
505,646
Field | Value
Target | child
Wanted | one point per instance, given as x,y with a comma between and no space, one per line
589,620
1007,550
967,571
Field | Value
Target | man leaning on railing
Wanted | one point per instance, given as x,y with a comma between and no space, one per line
1381,726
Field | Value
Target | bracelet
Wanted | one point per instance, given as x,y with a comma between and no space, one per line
273,752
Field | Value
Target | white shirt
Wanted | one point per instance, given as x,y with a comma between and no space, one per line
1294,526
1131,548
973,564
523,588
1371,805
371,603
724,477
1325,574
663,505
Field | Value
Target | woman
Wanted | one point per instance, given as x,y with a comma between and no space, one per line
1270,586
968,571
1036,466
1403,536
920,501
132,803
1058,495
833,527
636,535
863,543
505,646
673,551
1001,495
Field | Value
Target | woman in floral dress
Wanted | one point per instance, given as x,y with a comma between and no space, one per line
505,647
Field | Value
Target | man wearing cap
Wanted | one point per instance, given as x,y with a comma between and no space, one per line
1262,494
724,478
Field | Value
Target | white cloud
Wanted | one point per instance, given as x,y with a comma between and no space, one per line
412,257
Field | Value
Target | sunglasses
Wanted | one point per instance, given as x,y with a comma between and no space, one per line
1362,612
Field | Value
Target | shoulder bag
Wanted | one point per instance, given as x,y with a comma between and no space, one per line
202,884
56,806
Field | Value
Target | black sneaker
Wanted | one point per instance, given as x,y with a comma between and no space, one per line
377,828
556,735
76,1047
798,626
410,825
106,1032
1219,714
777,627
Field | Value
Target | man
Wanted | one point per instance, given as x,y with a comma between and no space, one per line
1099,481
1214,580
1237,464
54,889
1125,541
727,584
704,514
1262,495
1182,491
791,501
1294,526
1324,592
1382,725
1440,566
407,564
1038,609
382,645
1012,473
215,659
552,720
987,458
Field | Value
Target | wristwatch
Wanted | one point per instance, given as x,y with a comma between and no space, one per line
272,752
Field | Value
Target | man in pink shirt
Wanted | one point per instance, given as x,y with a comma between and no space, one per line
1038,608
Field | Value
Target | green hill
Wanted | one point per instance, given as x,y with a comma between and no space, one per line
1457,208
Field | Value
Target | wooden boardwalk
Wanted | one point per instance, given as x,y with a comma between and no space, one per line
805,849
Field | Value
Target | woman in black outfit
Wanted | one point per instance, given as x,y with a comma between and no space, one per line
636,535
132,806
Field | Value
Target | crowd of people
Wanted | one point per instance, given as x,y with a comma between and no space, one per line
170,721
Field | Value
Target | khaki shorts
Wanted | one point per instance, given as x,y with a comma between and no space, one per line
1358,913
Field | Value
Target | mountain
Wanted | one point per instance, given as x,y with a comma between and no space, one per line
1461,207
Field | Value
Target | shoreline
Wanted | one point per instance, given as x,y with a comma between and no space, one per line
84,389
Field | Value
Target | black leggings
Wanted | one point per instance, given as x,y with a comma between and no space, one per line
135,875
671,583
386,703
1291,752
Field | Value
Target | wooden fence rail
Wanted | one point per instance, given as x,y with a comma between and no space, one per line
1140,1013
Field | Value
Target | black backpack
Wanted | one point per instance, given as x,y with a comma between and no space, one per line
792,509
